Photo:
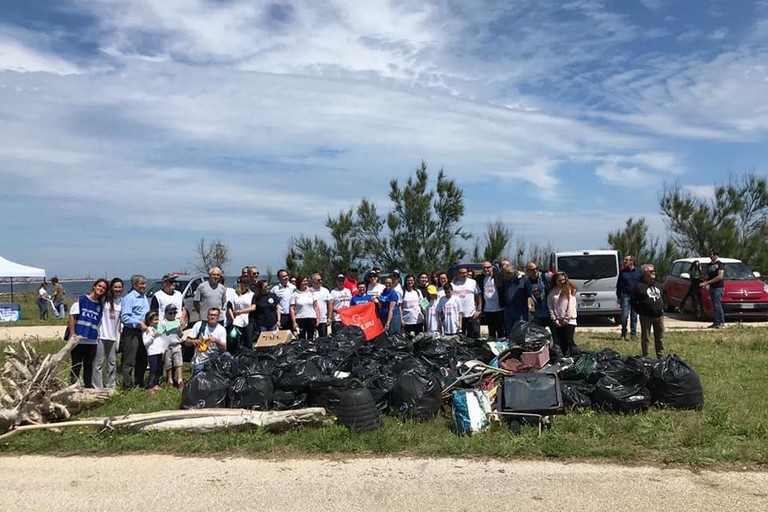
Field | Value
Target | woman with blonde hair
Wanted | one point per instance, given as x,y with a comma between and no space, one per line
562,312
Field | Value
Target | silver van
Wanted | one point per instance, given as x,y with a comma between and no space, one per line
595,274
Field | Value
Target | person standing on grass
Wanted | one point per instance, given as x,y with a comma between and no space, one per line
155,345
340,299
562,311
239,302
209,338
413,313
211,293
324,307
362,296
715,275
350,281
58,297
169,295
449,310
263,314
170,329
84,319
284,291
694,290
492,300
42,301
467,291
133,310
389,307
431,314
646,300
629,276
536,286
304,310
108,336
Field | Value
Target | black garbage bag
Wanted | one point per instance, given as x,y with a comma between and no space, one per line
609,363
641,366
613,395
399,341
221,363
285,400
323,363
205,390
251,392
297,376
676,384
577,394
326,392
435,350
350,335
416,394
530,335
249,362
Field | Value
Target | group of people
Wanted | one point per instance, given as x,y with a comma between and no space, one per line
55,300
149,332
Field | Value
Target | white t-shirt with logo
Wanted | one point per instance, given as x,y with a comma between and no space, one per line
491,295
412,313
465,292
432,318
340,300
450,309
240,302
375,290
322,296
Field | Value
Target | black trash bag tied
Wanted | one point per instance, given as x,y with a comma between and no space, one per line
612,395
206,390
675,384
416,395
251,392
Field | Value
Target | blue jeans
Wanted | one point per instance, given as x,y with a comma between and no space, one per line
627,313
716,295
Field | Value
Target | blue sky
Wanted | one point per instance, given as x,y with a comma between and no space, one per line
131,129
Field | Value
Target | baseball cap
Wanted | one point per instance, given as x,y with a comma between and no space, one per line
340,276
396,272
169,277
171,308
432,290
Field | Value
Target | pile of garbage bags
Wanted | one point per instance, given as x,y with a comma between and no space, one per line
603,380
410,376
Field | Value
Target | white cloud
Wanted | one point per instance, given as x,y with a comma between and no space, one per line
701,191
719,34
629,177
15,56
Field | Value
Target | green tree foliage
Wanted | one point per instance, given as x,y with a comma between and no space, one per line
421,231
495,243
735,221
634,240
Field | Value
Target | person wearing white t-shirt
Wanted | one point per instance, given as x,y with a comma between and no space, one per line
109,333
432,322
168,294
374,288
442,280
323,298
340,298
465,288
209,339
449,310
304,309
239,301
284,291
413,315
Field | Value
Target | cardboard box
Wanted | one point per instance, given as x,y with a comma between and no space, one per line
272,338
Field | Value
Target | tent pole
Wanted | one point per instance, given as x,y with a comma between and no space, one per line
11,289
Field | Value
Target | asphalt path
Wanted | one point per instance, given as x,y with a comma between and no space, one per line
151,482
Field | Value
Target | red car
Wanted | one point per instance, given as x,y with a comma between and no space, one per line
745,295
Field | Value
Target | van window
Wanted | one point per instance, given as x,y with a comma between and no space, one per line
588,267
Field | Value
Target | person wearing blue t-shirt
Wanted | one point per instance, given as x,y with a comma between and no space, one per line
362,296
389,307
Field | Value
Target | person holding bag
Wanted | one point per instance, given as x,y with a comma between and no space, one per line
561,302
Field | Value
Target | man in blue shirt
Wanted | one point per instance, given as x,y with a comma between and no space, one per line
629,276
362,296
536,284
134,309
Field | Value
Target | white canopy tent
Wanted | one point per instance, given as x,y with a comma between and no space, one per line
11,270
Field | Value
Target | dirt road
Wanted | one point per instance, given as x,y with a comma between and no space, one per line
140,483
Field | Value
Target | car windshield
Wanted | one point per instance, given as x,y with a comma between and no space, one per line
588,267
738,272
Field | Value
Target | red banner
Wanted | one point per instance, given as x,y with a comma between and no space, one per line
364,316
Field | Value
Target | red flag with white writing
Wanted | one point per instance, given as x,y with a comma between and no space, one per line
364,316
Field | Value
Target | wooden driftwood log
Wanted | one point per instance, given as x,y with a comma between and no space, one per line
31,393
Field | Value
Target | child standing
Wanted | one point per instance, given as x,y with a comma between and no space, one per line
170,329
449,309
431,315
155,345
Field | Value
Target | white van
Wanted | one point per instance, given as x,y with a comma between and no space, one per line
595,275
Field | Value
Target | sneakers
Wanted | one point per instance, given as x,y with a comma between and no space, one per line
713,326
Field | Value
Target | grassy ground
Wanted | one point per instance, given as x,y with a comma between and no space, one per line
30,315
731,429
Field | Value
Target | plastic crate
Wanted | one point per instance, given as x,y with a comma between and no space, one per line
536,359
